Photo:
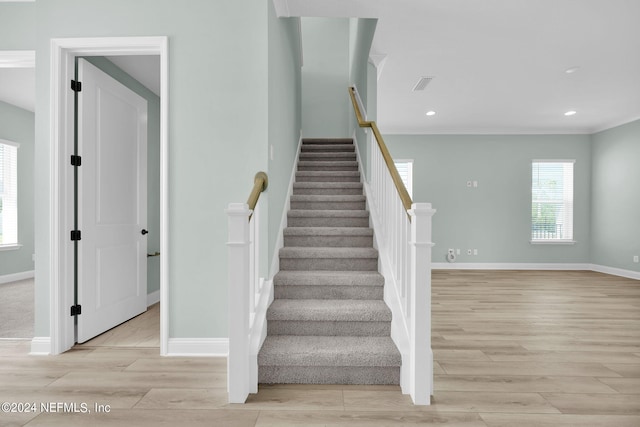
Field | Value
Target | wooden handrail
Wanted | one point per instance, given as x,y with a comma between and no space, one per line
395,176
260,183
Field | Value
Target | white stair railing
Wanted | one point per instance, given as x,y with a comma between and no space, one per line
403,236
247,294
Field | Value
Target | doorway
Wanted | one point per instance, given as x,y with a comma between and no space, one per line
17,129
64,53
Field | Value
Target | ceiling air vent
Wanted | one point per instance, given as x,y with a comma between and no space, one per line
422,83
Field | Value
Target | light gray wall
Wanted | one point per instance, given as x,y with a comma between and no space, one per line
494,218
285,117
362,32
153,163
325,78
615,207
18,125
17,26
217,67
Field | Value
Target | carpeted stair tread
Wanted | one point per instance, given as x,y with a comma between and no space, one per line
328,278
328,231
327,141
321,175
322,252
328,198
288,350
332,213
310,156
319,148
329,310
327,185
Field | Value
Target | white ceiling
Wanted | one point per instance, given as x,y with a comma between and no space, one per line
499,65
18,87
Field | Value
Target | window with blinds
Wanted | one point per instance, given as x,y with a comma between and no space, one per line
405,169
552,200
8,193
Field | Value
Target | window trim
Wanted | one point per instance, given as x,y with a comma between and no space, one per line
409,182
572,240
13,245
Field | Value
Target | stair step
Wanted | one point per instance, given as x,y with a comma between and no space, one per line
327,218
327,156
327,141
328,285
328,236
327,176
327,188
325,317
350,259
319,148
327,165
328,360
340,202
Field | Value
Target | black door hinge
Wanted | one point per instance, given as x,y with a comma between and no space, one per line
76,310
76,160
76,235
76,86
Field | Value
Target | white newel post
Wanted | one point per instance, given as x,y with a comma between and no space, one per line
239,278
421,355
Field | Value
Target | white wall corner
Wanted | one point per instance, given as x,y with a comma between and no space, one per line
40,346
8,278
198,347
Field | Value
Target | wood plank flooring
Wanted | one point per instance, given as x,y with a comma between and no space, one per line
512,348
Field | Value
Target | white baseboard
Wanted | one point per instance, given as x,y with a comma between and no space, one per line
7,278
507,266
629,274
40,346
193,347
153,297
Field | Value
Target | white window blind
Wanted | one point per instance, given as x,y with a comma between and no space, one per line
8,193
405,169
552,200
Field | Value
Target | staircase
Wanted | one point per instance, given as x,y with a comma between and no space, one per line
328,323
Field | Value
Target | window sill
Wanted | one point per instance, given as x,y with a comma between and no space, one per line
11,247
552,242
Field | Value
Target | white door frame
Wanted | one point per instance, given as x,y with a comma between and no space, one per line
63,53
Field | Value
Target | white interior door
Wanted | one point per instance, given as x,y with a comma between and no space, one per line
112,202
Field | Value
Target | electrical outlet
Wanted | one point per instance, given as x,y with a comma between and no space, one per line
468,251
458,251
475,184
475,252
636,258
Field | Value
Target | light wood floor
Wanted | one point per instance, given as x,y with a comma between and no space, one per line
512,349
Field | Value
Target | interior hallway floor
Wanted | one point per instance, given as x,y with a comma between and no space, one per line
512,348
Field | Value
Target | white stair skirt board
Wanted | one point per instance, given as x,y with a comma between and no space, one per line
40,346
195,347
8,278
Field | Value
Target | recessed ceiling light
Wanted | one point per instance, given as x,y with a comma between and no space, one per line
431,113
571,70
570,113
